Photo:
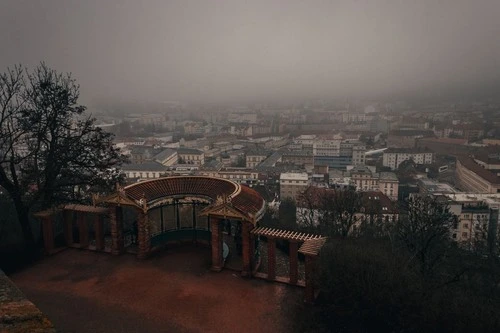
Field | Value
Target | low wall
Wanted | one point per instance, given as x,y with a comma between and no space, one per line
18,314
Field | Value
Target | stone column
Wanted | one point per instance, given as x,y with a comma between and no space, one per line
68,227
99,232
83,229
48,233
271,259
116,219
294,267
143,235
247,248
309,292
216,243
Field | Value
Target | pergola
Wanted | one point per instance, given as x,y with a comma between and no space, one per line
215,200
310,247
47,219
224,200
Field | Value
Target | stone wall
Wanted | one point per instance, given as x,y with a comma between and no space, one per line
17,314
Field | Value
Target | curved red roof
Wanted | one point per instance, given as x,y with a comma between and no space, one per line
242,197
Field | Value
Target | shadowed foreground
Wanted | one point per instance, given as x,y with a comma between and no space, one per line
83,291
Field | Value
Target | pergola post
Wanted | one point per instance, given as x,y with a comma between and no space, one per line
68,227
271,259
293,257
116,218
216,243
48,233
247,247
83,230
99,232
252,251
309,292
143,236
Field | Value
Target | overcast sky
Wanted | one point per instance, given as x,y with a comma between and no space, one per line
246,50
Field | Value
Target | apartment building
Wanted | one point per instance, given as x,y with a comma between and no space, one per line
191,156
299,158
366,179
477,214
393,157
338,153
254,158
293,184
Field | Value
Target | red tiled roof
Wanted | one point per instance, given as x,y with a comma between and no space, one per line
243,198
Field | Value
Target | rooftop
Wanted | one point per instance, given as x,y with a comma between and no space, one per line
487,175
165,154
189,151
146,166
243,198
407,150
294,176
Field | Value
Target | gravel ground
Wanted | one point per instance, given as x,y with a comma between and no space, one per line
84,291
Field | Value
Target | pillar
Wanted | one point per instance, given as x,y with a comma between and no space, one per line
252,252
271,259
99,232
83,230
294,267
143,235
247,248
68,227
216,243
309,292
48,233
116,219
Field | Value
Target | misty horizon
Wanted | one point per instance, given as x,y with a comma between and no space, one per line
231,51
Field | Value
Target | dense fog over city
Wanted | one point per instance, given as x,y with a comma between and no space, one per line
230,51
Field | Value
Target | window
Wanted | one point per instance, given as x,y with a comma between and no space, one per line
464,234
466,225
454,236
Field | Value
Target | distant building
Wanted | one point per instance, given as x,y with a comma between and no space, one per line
254,158
430,186
444,146
147,170
376,206
473,177
478,214
366,180
167,157
191,156
243,117
298,157
406,138
393,157
239,175
292,185
338,153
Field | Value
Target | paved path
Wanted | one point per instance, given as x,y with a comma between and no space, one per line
82,291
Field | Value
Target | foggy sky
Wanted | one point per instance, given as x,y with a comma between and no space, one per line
218,51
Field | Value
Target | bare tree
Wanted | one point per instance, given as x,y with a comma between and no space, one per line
51,152
425,231
332,211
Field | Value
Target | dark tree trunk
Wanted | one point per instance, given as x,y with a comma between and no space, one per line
24,221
